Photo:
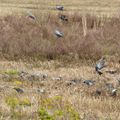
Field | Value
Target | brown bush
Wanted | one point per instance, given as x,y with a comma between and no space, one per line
22,37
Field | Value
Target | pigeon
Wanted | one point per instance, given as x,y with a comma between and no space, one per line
30,15
19,90
89,82
73,82
118,82
109,86
41,90
59,7
111,89
76,81
98,92
114,92
63,18
58,33
100,65
23,73
57,78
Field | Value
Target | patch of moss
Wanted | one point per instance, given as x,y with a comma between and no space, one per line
12,102
25,102
44,115
12,72
17,82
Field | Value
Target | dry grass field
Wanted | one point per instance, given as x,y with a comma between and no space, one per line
102,7
54,91
42,77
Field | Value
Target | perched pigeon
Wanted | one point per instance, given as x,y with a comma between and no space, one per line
59,7
30,15
100,65
63,17
89,82
19,90
58,33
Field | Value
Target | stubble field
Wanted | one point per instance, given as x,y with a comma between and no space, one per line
42,78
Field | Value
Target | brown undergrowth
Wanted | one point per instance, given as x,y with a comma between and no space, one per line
23,37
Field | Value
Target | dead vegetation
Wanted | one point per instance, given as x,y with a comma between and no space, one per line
50,92
22,37
53,90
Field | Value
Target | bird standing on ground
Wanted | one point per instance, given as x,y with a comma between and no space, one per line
59,7
100,65
98,92
114,92
111,89
89,82
19,90
58,33
109,86
63,18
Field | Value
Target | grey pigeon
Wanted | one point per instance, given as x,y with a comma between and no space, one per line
63,18
98,92
118,82
111,89
19,90
109,86
57,78
73,82
23,73
89,82
100,65
114,92
58,33
59,7
41,90
76,81
30,15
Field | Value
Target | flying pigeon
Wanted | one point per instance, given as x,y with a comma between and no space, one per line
30,15
100,65
58,33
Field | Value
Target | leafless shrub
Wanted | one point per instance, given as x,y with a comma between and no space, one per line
22,37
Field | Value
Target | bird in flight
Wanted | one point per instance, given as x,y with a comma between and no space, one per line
100,65
58,33
30,15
